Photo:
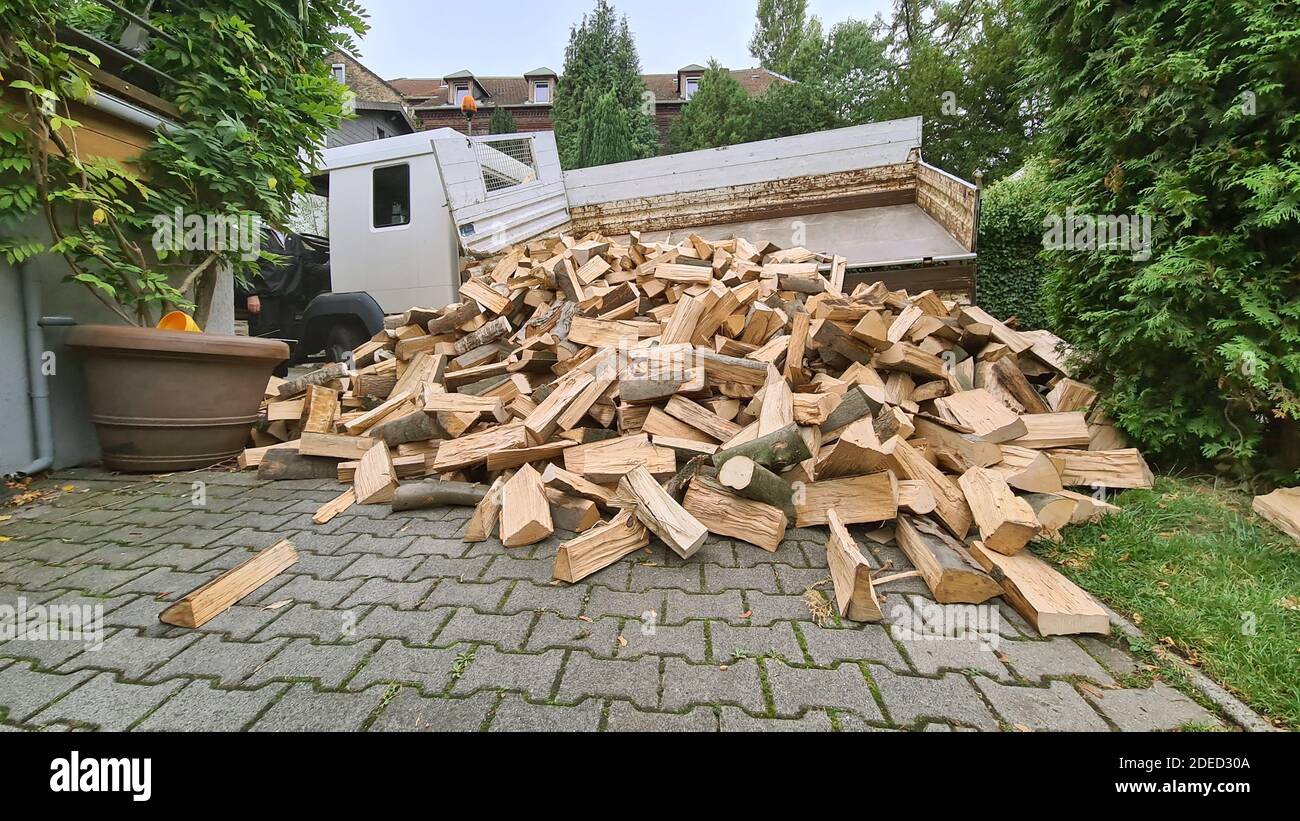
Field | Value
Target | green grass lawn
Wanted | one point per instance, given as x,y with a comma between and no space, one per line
1200,574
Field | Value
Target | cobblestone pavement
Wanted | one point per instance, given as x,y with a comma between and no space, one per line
391,622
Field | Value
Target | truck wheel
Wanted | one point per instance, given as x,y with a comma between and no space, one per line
343,338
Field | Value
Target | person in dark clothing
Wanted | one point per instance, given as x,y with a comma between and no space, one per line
271,296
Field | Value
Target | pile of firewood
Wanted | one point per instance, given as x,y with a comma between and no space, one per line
622,389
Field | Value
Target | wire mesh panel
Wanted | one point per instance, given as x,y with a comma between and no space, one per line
506,163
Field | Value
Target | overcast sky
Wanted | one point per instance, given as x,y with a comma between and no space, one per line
408,38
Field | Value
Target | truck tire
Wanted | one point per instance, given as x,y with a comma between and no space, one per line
344,336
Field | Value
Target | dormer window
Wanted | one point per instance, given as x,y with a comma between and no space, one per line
340,72
460,93
541,91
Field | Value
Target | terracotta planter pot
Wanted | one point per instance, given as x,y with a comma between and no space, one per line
168,400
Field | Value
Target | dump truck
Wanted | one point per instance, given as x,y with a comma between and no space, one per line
404,212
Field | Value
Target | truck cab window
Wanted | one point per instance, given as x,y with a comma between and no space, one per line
392,196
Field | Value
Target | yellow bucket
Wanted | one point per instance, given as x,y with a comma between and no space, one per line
179,321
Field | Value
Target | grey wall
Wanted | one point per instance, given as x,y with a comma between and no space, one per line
364,127
74,435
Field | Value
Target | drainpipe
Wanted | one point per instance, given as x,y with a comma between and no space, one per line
37,386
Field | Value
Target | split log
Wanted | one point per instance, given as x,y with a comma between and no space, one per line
421,495
850,574
1282,508
1102,468
599,547
856,500
737,517
661,513
951,573
204,603
776,451
753,481
525,513
416,426
486,513
334,507
1053,604
572,513
291,464
375,481
295,386
1006,521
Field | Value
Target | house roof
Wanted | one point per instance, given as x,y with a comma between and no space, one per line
430,92
541,72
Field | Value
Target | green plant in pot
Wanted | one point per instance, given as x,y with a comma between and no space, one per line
250,99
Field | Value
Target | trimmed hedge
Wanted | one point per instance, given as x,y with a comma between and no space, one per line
1011,266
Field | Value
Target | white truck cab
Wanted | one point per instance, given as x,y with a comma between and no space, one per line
404,210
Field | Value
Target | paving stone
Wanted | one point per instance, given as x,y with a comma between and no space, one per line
50,551
720,551
952,698
433,546
933,654
130,654
683,606
139,612
778,640
194,536
1159,707
329,664
516,715
320,565
179,557
24,691
735,720
625,718
492,670
320,592
34,576
430,670
378,534
506,632
305,710
867,642
1113,658
637,681
96,578
411,712
528,596
483,597
79,533
766,608
47,654
597,636
443,567
326,544
795,689
414,627
1035,660
664,640
164,581
107,703
685,684
367,567
1058,707
740,578
606,602
657,577
201,707
230,662
116,556
406,595
503,567
305,620
795,580
271,522
443,529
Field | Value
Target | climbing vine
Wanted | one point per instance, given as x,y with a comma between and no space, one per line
255,101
